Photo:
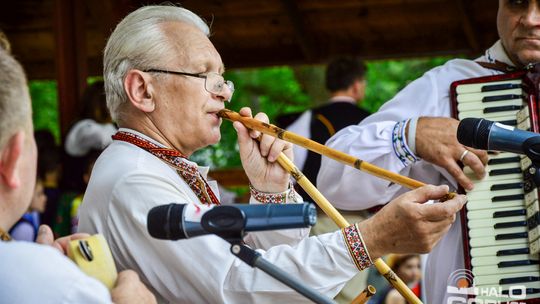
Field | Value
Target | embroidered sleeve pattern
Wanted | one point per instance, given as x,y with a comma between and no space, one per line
399,143
274,198
356,247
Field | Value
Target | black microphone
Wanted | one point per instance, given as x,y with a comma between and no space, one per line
182,221
488,135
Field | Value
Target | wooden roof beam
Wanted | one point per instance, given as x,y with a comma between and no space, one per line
301,34
467,25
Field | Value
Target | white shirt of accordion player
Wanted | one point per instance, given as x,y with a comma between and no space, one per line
127,182
32,273
371,140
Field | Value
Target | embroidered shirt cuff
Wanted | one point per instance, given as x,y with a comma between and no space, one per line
356,247
289,196
399,143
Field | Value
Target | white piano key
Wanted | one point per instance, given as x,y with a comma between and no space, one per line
477,97
483,205
497,116
492,232
484,241
477,87
475,106
495,278
493,269
494,260
488,194
534,233
492,251
490,222
482,214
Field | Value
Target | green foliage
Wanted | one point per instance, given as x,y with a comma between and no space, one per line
45,106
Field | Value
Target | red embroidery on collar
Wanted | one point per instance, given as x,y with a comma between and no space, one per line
188,172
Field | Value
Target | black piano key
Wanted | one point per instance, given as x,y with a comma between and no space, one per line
517,263
500,87
506,160
510,224
512,123
506,186
533,221
513,251
501,97
504,171
505,198
517,291
501,109
511,236
519,280
519,212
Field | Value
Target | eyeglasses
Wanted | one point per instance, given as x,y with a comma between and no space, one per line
213,82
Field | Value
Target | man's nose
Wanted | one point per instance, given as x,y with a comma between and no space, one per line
532,16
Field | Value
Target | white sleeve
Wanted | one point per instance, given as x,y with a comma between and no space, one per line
202,269
371,141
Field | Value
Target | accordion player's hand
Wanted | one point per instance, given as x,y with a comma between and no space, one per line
436,142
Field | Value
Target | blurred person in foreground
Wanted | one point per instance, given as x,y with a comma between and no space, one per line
37,273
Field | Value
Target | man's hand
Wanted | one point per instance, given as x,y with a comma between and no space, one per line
436,142
407,225
129,289
46,237
259,158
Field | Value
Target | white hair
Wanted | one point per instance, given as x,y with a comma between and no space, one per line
15,107
138,42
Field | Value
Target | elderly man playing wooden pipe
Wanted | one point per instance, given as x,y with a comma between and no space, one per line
164,89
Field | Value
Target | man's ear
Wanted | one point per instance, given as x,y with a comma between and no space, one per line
10,158
140,90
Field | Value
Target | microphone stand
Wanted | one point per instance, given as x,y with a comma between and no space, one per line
230,227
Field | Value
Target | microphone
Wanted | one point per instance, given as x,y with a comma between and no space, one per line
488,135
182,221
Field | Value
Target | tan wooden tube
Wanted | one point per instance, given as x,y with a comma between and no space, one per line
329,209
365,295
320,149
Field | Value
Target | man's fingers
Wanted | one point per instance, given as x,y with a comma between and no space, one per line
426,193
481,154
443,211
276,149
453,168
266,144
45,235
475,163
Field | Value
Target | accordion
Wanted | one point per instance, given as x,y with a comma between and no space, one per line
500,222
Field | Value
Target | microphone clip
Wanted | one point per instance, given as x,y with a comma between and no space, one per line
227,222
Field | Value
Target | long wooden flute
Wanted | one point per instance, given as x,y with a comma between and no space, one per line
365,295
316,147
329,210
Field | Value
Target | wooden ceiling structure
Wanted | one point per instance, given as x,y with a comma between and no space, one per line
64,39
